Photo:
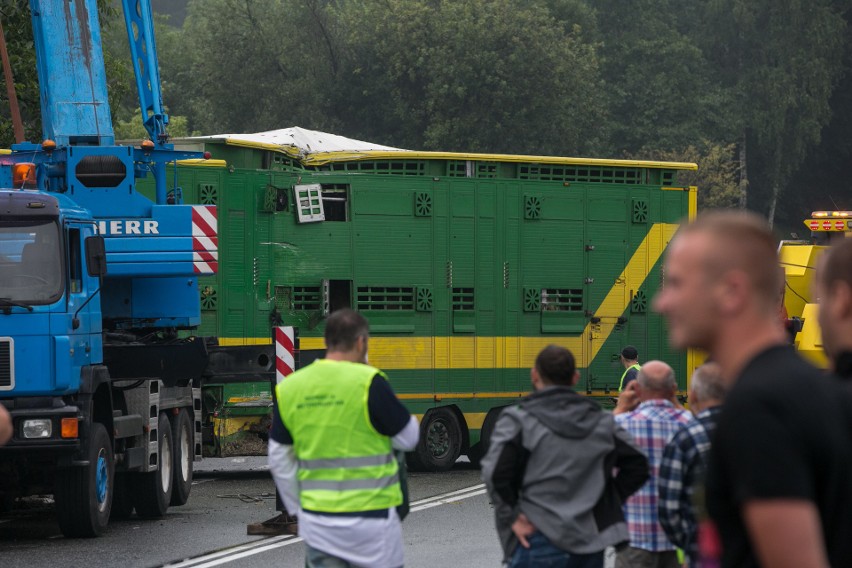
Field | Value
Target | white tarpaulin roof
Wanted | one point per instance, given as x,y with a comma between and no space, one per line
315,148
304,140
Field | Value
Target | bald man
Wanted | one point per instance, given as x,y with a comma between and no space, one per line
779,476
652,424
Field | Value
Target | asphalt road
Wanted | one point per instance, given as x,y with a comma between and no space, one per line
451,524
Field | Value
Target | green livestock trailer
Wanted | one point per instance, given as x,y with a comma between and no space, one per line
466,265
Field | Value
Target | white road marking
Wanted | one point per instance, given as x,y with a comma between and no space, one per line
266,544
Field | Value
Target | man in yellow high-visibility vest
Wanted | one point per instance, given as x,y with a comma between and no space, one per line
331,452
630,360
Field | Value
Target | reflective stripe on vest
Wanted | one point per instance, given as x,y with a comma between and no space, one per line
345,462
351,484
345,466
636,366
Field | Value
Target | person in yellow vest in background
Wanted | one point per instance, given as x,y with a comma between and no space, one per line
331,452
630,360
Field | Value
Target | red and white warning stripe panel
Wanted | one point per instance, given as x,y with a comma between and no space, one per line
205,242
285,346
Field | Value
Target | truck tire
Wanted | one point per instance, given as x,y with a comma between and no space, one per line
84,494
154,489
184,455
440,441
122,499
479,449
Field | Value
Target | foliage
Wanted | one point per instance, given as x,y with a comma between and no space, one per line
133,129
781,59
19,40
483,75
717,175
679,80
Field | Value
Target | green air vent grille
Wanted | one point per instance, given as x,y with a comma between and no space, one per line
640,211
422,204
532,207
463,300
208,194
578,173
532,299
486,169
639,304
394,167
209,298
457,168
385,298
562,300
306,298
424,299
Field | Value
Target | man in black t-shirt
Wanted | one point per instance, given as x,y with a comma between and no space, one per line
779,480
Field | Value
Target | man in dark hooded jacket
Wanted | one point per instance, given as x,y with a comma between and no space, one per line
558,470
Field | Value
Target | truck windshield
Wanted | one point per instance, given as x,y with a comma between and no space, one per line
30,261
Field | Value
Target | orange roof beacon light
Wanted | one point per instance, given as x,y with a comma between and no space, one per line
147,145
48,146
24,175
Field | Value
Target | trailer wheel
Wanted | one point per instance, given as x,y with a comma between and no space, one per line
479,449
84,494
440,441
154,489
184,455
122,500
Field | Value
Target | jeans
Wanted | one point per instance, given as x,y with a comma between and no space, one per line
542,554
639,558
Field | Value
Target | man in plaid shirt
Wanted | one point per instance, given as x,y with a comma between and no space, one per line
652,424
684,460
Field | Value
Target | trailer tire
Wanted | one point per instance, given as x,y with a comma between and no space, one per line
84,494
440,441
154,489
184,455
479,449
122,499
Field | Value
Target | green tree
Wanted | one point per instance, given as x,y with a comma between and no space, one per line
256,65
717,178
657,81
483,75
19,37
781,60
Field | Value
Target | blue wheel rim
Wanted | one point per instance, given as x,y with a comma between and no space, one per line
101,479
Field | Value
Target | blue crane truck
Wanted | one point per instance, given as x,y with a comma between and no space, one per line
98,284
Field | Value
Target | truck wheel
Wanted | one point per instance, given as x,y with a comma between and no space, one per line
154,489
479,449
184,455
440,441
122,500
84,494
